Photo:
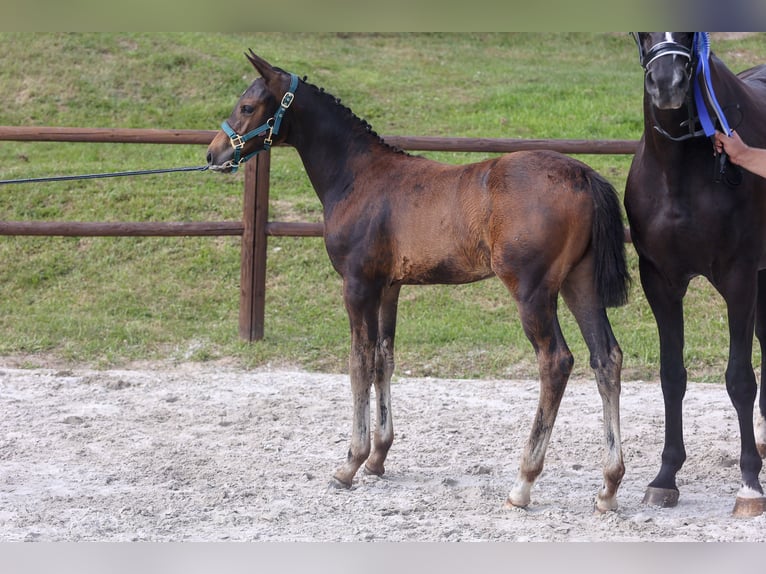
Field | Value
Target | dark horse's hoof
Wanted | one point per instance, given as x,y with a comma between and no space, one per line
663,497
749,507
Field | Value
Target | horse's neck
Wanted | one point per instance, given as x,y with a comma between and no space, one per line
333,145
667,154
742,100
730,90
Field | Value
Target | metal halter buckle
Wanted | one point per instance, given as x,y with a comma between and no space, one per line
287,99
237,142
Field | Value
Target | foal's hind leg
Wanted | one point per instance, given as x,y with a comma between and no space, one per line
606,362
538,317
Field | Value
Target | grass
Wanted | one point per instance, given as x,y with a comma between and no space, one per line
112,301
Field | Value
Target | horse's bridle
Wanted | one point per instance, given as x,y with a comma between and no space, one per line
271,125
673,48
666,48
701,94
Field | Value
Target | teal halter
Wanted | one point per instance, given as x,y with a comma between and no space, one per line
271,125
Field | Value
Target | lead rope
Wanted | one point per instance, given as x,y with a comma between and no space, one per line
703,78
102,175
703,92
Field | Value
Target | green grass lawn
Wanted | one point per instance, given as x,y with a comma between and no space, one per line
112,301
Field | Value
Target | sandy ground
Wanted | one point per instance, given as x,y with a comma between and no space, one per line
202,453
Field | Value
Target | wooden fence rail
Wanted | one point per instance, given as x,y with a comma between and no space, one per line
254,228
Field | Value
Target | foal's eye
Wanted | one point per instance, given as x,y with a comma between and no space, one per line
245,109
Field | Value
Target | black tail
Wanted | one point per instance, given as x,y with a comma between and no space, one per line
612,277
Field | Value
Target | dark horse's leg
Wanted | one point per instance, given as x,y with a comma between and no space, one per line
537,308
739,290
760,332
606,362
666,302
372,318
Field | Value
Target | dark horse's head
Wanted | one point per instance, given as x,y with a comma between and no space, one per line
667,59
255,123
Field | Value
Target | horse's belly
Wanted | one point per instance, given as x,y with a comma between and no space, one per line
451,269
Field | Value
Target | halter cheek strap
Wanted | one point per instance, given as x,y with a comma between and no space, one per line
271,125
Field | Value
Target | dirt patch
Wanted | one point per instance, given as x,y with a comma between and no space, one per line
200,453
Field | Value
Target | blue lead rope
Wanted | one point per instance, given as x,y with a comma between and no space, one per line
702,81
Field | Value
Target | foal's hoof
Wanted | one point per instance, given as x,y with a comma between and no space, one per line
602,505
510,505
374,471
338,484
748,507
662,497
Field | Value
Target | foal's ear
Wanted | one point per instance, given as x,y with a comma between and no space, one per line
265,69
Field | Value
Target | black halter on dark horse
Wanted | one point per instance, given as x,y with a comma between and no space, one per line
542,222
689,219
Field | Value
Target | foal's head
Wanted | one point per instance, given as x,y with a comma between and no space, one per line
254,123
667,60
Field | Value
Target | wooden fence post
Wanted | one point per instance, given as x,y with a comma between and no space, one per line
253,266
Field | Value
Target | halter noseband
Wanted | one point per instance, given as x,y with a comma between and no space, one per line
271,125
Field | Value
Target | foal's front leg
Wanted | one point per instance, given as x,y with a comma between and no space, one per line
363,317
361,372
383,437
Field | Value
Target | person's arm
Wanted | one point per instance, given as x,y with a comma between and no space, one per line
753,159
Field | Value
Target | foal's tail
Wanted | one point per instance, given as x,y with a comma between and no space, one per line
612,277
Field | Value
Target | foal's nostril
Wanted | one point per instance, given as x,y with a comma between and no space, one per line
210,158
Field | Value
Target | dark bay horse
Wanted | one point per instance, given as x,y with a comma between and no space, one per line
692,214
542,222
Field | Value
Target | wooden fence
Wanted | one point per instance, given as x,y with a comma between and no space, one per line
254,228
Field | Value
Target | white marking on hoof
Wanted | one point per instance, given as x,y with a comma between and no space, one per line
747,492
606,504
520,496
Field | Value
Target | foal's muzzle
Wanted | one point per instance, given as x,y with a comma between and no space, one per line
220,155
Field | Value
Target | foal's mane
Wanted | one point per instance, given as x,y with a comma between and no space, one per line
350,115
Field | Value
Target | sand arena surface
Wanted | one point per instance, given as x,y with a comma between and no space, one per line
202,453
